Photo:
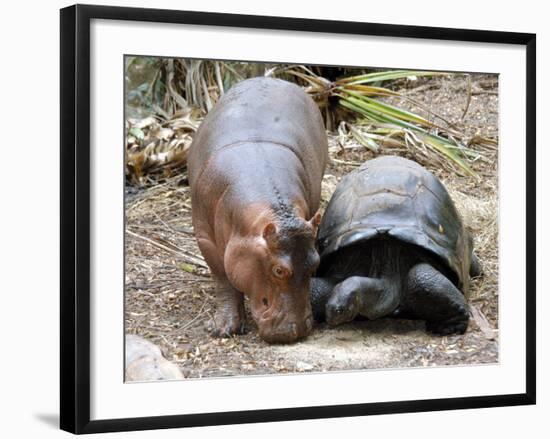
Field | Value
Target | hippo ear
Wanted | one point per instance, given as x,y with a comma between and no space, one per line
315,221
270,234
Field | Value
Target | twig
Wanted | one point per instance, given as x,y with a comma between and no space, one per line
194,319
469,97
232,70
344,162
483,324
169,227
485,92
422,88
219,77
177,251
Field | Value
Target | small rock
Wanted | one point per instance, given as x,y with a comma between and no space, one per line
302,366
144,362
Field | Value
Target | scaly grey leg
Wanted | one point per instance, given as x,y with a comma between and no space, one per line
433,297
320,291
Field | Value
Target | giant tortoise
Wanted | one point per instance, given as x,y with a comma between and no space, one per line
392,243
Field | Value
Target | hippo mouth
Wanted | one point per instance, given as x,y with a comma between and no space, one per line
289,333
277,329
278,323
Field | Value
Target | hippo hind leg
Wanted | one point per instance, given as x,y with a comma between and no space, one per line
357,295
433,297
229,318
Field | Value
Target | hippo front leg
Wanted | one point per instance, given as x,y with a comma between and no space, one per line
229,318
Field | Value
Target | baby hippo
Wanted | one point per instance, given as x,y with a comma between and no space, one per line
255,170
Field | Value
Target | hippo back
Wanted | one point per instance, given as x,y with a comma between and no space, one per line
395,197
269,111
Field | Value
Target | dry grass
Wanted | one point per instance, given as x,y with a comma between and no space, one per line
392,119
156,146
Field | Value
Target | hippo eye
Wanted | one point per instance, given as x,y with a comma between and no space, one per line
279,271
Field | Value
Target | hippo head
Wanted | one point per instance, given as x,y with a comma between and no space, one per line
274,270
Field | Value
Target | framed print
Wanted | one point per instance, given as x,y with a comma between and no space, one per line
340,214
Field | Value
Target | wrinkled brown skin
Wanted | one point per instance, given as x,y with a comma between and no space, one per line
255,170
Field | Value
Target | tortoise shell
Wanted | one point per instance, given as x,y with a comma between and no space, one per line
395,197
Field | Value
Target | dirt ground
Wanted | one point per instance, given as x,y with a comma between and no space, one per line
169,295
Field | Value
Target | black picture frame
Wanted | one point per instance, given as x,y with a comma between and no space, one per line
75,217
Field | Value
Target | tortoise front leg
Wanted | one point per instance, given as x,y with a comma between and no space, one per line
369,297
320,291
432,297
